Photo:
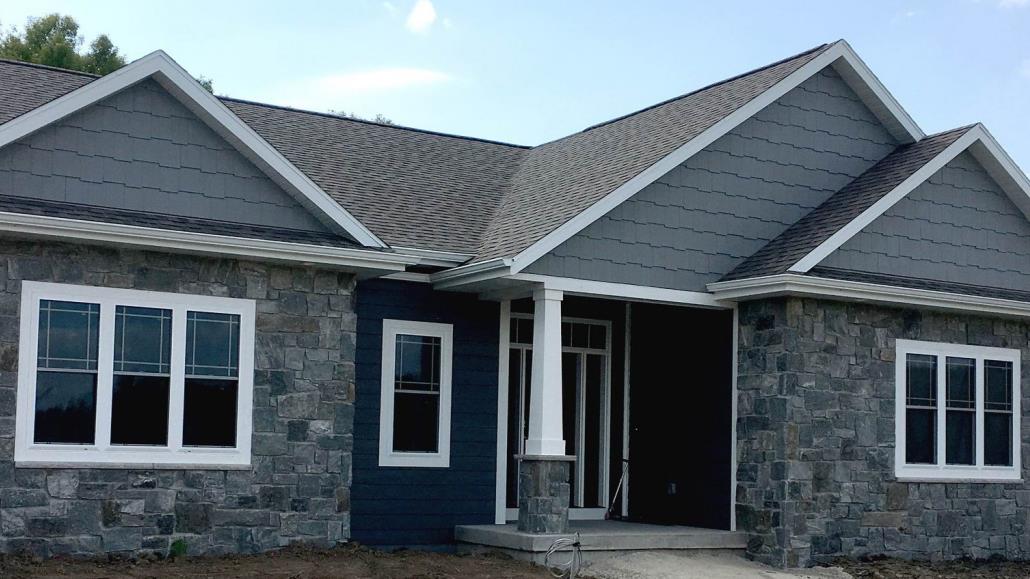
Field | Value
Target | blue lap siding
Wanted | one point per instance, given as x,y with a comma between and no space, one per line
394,506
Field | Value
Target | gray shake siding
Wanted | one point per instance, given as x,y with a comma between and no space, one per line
298,486
698,222
141,149
959,227
815,439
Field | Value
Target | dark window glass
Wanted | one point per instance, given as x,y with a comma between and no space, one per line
416,422
68,335
66,404
566,334
417,363
998,413
416,405
998,439
66,380
521,331
920,436
598,336
209,413
960,432
212,344
142,366
212,389
921,412
142,340
921,372
139,409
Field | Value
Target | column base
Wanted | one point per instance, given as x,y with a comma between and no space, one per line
544,494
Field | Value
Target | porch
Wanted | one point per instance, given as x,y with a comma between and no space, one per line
597,538
633,402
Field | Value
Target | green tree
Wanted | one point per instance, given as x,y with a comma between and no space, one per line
54,40
379,118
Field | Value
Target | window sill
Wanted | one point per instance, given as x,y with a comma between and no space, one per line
966,480
414,460
129,465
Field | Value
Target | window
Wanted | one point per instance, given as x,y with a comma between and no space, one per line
132,377
958,412
415,408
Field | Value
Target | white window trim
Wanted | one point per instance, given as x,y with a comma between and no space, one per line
947,472
102,453
387,456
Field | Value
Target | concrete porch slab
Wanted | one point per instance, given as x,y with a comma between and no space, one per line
604,536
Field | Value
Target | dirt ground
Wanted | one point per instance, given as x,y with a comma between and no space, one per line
293,562
897,569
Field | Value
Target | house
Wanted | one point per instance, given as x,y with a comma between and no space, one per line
798,319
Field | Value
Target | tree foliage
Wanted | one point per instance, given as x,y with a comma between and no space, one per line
54,40
379,118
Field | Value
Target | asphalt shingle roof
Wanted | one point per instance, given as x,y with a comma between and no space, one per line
916,283
842,207
434,191
561,179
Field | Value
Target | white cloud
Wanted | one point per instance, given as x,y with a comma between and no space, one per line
390,7
421,17
381,79
1013,3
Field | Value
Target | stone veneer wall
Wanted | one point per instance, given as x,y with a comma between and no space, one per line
298,488
816,439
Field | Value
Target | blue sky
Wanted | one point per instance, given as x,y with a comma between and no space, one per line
531,71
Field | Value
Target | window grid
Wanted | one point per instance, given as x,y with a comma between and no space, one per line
164,366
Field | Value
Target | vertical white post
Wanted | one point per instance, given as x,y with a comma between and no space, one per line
545,392
502,414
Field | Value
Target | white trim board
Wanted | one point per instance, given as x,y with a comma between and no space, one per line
203,243
641,293
212,111
984,148
839,55
817,287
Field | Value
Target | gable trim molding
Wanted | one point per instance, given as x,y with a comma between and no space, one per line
839,55
372,261
188,91
824,288
981,145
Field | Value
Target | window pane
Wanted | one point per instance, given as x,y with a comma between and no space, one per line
960,436
598,336
209,412
416,422
998,382
521,331
998,439
920,436
142,340
921,380
212,344
68,334
65,407
139,410
417,363
961,383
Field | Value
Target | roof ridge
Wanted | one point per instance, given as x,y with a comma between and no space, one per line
707,87
373,123
48,67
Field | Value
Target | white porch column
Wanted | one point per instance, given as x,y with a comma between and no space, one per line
545,391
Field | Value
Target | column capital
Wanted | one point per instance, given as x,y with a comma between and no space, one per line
548,294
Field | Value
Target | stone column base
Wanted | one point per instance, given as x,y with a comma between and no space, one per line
544,494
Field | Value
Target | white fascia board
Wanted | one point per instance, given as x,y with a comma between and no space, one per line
188,91
875,96
801,285
436,258
983,146
631,292
203,243
838,51
472,273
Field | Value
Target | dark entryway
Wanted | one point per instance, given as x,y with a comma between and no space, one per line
680,416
